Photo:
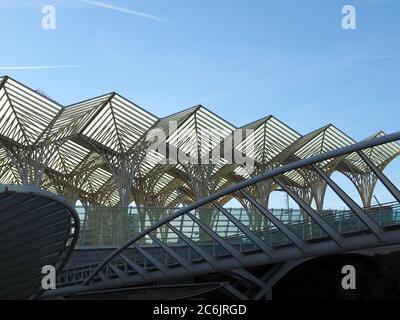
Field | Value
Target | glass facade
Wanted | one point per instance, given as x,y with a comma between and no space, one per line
113,226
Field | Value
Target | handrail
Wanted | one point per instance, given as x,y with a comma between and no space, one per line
365,144
177,208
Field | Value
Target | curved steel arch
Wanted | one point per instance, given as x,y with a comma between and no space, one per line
374,234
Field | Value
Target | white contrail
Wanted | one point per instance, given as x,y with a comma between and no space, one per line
40,67
120,9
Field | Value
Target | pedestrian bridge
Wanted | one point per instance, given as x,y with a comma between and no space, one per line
184,244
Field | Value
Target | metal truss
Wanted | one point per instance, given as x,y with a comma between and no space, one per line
94,151
146,258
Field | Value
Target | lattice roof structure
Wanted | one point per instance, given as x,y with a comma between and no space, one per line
318,142
26,115
198,135
269,140
381,156
83,150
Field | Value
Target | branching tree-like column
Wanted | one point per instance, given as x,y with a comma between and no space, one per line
66,185
304,192
200,176
31,161
261,192
71,185
359,171
316,185
200,180
365,183
124,168
144,195
150,203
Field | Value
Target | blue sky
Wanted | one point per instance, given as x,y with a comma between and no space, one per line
242,59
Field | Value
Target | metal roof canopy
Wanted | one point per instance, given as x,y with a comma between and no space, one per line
111,124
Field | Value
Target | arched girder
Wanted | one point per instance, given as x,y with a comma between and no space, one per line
373,233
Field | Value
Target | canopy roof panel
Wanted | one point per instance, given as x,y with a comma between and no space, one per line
97,180
330,138
178,118
318,142
25,115
119,124
8,172
270,138
68,157
199,132
76,117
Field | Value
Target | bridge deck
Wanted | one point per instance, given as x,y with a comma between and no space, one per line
153,256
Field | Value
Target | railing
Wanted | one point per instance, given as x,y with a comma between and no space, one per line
108,226
345,222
